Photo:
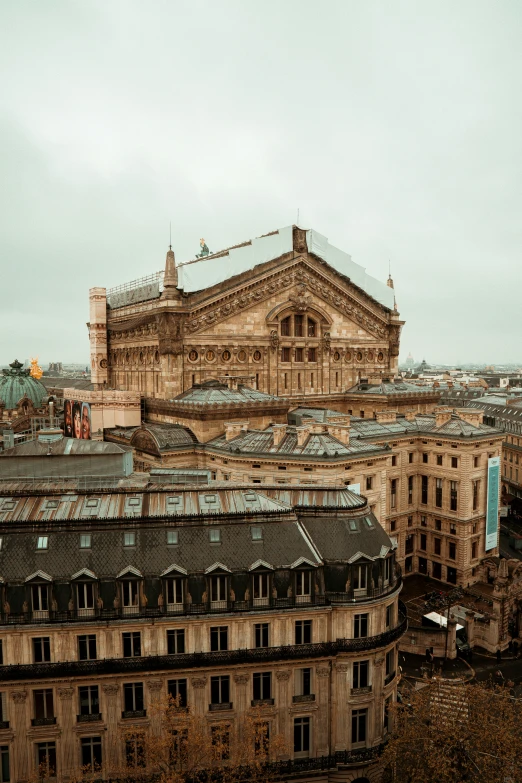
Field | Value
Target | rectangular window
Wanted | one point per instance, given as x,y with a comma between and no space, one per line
172,537
361,674
220,742
46,759
303,584
85,596
438,524
410,457
410,490
438,492
256,533
424,490
410,543
219,638
214,535
174,593
261,585
177,690
176,641
436,545
360,579
299,354
5,776
85,541
285,327
312,355
452,550
133,696
262,686
303,681
44,706
41,649
42,542
453,496
360,626
390,663
261,637
302,736
91,754
285,354
475,495
298,326
389,616
423,540
129,538
393,525
369,482
89,699
132,644
425,458
135,751
87,647
220,689
393,493
303,631
359,720
218,589
439,459
424,521
129,590
474,550
476,462
454,462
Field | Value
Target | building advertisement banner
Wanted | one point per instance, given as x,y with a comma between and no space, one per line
77,419
492,503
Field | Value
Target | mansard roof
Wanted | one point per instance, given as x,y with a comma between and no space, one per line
214,392
391,388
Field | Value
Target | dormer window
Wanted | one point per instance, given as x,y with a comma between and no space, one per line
130,596
129,538
261,588
256,533
40,601
42,542
214,535
85,597
303,586
172,537
174,590
218,590
360,580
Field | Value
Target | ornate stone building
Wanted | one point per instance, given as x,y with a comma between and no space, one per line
284,600
290,311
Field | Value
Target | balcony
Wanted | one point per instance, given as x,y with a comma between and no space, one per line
303,698
202,608
255,655
130,714
361,691
43,721
223,705
88,718
262,702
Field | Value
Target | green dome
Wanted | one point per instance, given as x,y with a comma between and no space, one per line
17,383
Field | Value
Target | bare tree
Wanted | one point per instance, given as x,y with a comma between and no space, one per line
456,734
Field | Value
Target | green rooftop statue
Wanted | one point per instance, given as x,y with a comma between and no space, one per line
204,249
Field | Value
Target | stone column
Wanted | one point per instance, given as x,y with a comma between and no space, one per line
66,719
200,692
283,702
111,713
339,708
322,695
23,761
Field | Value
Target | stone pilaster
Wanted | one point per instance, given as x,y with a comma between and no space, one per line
199,688
339,709
67,751
322,695
22,760
378,676
283,700
241,694
111,712
154,710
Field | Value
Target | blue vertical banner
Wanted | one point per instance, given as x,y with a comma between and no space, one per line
492,503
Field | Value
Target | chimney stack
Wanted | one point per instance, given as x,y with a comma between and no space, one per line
279,432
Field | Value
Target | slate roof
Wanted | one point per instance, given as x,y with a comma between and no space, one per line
390,388
216,393
343,539
65,446
315,445
169,436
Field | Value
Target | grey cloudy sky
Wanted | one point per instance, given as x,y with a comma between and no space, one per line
395,128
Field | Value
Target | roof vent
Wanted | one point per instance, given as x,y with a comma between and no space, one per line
386,417
50,435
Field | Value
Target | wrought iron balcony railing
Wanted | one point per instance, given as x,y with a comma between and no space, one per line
88,718
208,607
151,663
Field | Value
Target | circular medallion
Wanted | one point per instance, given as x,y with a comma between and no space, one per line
359,356
210,356
336,356
225,356
193,356
157,357
370,356
380,356
348,356
256,356
241,356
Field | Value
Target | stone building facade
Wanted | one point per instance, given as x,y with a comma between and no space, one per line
281,600
287,309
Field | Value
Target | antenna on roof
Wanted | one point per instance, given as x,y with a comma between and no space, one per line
170,235
297,215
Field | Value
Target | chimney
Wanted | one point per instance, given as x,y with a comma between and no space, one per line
386,417
302,434
473,416
235,428
340,433
279,432
442,415
410,415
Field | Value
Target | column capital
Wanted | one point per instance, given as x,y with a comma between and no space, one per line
199,682
65,693
110,689
19,697
283,676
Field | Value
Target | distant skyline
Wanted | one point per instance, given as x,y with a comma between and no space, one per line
393,127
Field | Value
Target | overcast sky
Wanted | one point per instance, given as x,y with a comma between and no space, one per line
395,128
